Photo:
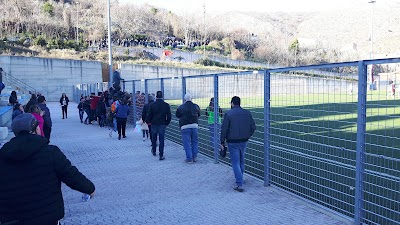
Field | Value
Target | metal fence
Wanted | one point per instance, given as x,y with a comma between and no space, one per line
328,139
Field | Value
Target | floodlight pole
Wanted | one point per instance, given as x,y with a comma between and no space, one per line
109,46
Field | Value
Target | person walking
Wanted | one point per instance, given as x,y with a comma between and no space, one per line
121,114
81,109
210,114
159,116
46,117
64,105
31,172
144,114
188,114
237,127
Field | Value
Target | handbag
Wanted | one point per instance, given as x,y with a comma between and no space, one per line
222,152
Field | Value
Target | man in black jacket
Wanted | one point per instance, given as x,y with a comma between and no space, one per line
237,127
31,172
46,117
188,114
159,115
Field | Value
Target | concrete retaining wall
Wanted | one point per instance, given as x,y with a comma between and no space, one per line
137,72
51,77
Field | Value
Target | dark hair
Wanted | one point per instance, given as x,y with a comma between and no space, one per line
16,106
235,100
35,109
13,93
33,96
211,102
159,94
41,99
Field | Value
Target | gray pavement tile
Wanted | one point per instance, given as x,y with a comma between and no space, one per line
134,187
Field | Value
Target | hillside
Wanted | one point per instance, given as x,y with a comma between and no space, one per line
275,38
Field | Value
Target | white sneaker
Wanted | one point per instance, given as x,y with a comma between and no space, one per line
144,139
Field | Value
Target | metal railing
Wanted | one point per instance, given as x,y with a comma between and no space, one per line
17,84
328,139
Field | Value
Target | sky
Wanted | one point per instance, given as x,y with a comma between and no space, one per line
177,6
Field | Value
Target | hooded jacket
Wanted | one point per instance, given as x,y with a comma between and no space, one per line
31,172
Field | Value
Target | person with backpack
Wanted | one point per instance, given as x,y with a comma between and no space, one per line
121,115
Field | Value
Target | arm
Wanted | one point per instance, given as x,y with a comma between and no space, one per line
252,125
149,115
178,113
207,111
168,115
198,111
224,128
69,174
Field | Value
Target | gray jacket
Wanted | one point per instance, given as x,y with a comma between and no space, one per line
238,125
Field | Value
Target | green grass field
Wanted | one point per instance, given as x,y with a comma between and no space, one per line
313,149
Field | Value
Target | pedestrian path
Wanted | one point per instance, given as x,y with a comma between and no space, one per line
134,187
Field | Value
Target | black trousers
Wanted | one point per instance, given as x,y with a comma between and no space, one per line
64,111
121,125
47,132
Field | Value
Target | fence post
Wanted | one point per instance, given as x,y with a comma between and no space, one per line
162,86
360,149
183,89
216,113
146,91
267,124
134,102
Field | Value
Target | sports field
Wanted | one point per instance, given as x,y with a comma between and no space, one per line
313,141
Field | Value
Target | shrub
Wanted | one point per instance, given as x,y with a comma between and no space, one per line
40,41
48,8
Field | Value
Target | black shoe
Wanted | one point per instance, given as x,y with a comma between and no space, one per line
123,136
153,152
63,117
162,157
119,137
238,188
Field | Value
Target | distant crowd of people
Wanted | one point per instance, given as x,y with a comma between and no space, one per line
148,43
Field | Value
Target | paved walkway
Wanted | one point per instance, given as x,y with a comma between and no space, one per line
134,187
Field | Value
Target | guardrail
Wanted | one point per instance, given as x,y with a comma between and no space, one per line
329,139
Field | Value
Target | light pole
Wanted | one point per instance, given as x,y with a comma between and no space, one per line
204,7
109,46
371,55
77,23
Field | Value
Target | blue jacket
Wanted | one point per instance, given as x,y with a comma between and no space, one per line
238,125
122,111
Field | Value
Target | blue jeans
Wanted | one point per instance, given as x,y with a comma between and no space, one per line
115,124
190,142
216,150
158,130
237,152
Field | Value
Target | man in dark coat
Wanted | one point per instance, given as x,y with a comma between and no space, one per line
31,172
159,115
32,101
46,117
